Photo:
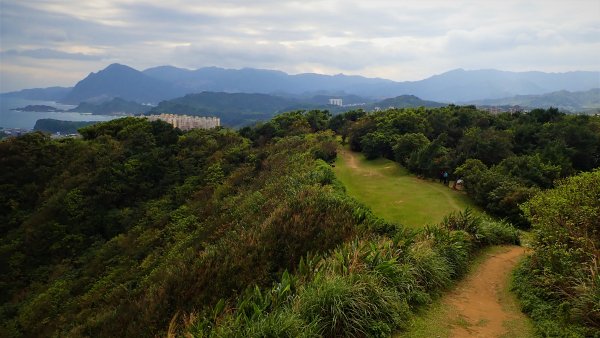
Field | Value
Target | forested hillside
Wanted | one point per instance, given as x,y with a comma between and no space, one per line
113,234
139,229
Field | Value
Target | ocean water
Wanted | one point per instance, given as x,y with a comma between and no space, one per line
26,120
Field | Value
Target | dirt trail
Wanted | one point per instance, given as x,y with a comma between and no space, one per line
349,158
479,305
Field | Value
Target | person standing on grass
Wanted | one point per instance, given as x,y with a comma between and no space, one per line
445,176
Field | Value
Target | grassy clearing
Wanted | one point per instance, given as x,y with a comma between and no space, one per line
393,193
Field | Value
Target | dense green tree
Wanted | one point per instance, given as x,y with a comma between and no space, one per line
560,283
359,129
488,145
318,119
430,159
408,144
377,144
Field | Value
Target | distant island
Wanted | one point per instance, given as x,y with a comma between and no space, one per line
116,106
39,108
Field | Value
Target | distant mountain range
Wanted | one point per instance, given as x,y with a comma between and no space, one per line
584,101
161,83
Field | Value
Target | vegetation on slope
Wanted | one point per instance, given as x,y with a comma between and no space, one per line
564,100
115,106
115,233
365,287
559,285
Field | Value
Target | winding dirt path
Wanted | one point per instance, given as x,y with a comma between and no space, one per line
480,304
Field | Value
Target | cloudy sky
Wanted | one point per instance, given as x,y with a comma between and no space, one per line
58,42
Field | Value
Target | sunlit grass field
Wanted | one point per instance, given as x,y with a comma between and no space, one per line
393,193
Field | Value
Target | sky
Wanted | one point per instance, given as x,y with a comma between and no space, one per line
58,42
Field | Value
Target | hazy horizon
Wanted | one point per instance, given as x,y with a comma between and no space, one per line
57,43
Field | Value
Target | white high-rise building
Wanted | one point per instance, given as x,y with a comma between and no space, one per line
335,102
186,122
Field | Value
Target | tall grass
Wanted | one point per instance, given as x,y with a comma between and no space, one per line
364,288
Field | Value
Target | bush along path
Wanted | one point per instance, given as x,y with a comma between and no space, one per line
366,287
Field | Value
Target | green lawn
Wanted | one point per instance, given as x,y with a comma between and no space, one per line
395,194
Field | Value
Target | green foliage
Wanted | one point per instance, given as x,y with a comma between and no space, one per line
563,271
377,144
517,153
365,287
358,130
488,145
408,144
112,234
354,305
58,126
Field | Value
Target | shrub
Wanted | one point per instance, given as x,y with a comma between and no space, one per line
492,232
563,272
483,230
350,306
432,270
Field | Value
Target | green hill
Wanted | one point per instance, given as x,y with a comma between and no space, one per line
58,126
234,109
405,101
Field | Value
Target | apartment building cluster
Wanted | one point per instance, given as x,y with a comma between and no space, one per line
186,122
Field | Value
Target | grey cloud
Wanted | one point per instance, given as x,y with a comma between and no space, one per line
151,15
397,39
45,53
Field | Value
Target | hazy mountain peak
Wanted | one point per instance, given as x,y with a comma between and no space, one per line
119,80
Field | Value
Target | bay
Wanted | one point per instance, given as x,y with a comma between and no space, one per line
26,120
